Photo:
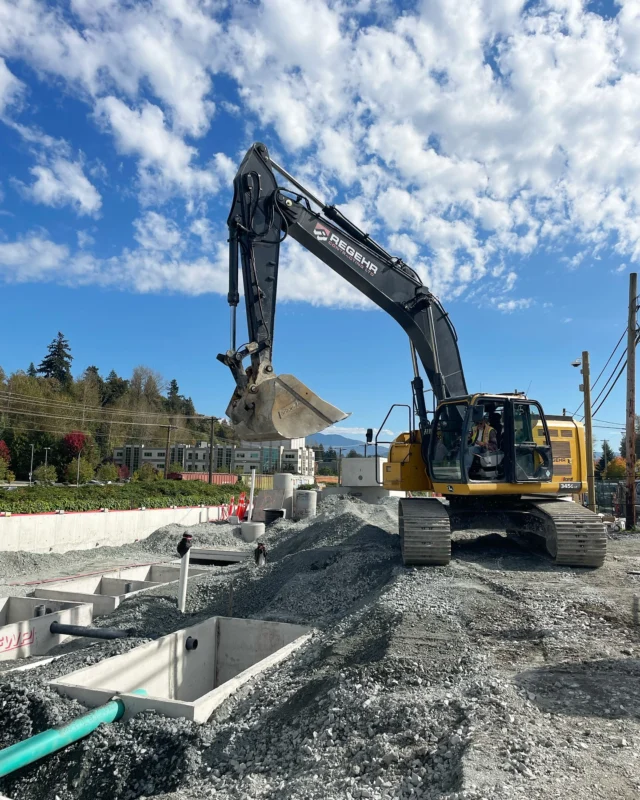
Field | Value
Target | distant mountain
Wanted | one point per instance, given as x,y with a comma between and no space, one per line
335,440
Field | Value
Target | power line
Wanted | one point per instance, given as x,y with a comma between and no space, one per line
593,386
610,376
20,412
7,395
612,385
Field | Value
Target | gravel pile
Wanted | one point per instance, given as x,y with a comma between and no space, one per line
497,677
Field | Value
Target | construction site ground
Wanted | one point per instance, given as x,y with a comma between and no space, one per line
498,676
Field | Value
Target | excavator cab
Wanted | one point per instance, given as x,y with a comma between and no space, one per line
490,439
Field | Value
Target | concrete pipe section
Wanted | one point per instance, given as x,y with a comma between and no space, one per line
252,531
305,503
284,482
190,672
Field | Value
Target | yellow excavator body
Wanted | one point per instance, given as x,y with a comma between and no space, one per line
405,468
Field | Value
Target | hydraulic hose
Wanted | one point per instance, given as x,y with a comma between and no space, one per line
43,744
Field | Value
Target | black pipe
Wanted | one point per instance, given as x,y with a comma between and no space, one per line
91,633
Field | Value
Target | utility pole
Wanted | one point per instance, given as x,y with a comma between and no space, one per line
588,430
212,442
167,453
631,402
31,467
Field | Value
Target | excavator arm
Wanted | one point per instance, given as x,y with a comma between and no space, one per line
265,406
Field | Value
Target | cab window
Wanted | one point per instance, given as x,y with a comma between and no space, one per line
532,458
446,442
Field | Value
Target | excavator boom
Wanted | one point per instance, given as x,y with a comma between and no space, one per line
264,406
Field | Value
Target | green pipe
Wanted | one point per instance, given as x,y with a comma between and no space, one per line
43,744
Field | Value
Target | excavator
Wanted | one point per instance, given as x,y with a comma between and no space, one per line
485,461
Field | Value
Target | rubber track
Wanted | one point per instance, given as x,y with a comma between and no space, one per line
425,531
575,536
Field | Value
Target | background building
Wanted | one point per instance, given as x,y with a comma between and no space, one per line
287,455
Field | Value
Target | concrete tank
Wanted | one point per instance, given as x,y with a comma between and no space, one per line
284,481
306,501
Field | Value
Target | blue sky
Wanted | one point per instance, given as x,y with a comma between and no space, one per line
497,152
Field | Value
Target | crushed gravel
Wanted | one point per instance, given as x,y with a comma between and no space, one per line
499,676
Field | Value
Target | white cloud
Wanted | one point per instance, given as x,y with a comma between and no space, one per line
155,232
31,258
165,160
63,183
509,306
464,141
85,239
10,87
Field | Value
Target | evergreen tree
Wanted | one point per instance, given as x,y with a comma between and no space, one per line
352,454
174,390
606,458
114,388
57,363
31,372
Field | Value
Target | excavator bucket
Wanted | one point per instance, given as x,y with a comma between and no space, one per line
280,407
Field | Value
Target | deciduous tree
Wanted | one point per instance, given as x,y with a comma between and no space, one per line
107,472
84,474
74,442
46,474
5,453
616,469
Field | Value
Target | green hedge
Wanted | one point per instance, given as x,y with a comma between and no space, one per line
152,494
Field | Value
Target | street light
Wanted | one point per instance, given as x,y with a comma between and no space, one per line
585,388
46,454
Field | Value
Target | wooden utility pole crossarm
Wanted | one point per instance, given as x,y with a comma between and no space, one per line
631,402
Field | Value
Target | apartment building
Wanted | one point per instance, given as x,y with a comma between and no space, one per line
288,455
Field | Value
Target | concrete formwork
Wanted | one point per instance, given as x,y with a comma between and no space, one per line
108,590
24,634
183,680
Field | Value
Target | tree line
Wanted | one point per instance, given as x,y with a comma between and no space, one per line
43,405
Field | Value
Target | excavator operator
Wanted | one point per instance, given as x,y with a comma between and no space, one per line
482,439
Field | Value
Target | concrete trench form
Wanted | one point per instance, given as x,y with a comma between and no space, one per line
24,634
188,673
108,590
217,557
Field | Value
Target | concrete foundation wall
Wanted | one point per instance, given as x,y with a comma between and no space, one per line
57,533
22,634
